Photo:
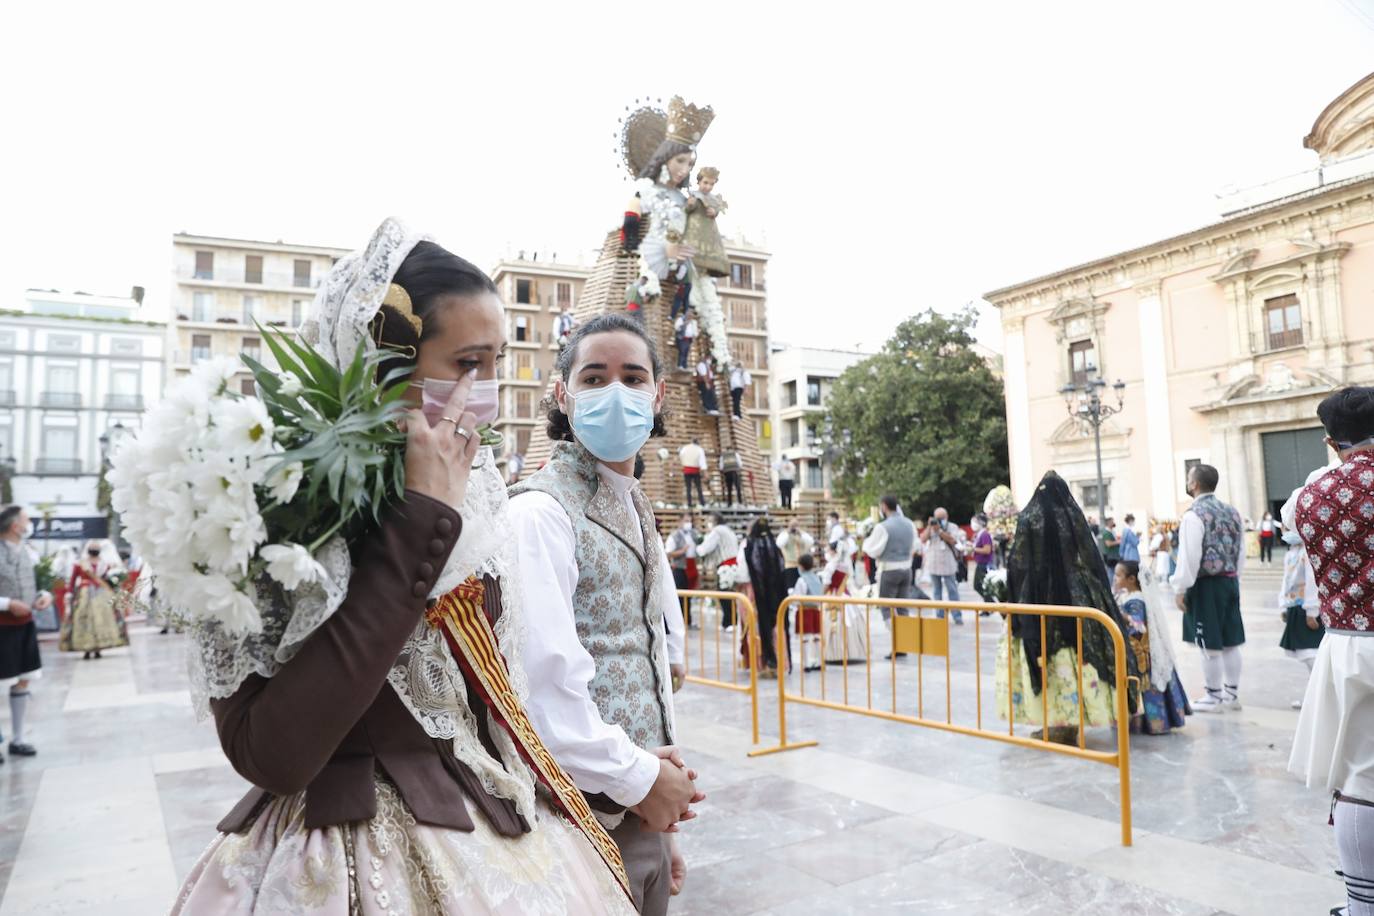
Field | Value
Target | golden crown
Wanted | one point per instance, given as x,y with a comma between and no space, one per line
687,123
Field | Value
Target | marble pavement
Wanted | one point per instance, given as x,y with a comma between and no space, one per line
879,818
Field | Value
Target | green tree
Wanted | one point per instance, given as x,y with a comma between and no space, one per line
924,420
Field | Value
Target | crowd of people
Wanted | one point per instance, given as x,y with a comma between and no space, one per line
409,750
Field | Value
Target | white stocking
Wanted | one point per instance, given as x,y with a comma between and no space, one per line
1211,671
1230,662
1355,846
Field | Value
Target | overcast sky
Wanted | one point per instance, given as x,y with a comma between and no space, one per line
891,156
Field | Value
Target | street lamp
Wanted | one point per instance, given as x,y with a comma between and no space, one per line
1084,402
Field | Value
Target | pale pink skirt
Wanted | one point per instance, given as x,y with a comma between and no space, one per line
392,865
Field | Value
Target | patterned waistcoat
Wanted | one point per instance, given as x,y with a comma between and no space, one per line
617,604
1335,519
16,573
1223,536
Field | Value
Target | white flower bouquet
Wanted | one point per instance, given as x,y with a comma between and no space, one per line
229,497
995,586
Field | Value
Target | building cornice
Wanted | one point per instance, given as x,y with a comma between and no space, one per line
1216,243
549,269
210,241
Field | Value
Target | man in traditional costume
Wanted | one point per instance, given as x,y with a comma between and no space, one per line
605,646
1211,553
19,598
1333,748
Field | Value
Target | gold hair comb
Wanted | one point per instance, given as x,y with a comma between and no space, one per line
399,299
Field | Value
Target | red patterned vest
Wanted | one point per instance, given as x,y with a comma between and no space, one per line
1335,519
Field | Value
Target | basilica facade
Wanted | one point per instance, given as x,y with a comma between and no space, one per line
1225,338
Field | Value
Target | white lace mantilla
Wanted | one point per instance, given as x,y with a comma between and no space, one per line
425,676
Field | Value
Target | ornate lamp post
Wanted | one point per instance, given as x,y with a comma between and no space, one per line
1084,403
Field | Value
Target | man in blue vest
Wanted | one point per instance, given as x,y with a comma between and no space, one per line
1207,588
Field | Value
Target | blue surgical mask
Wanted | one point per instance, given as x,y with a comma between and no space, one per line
613,422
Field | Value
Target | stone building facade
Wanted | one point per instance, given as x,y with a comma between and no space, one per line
1226,338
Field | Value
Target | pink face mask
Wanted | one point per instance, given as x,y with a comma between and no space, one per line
483,401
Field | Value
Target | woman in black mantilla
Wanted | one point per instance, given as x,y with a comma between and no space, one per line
1054,560
766,575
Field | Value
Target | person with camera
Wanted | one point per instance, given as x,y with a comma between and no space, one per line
941,560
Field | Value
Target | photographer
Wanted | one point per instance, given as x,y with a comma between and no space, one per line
942,558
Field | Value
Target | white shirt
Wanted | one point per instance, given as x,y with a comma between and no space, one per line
598,756
786,470
692,456
721,540
1289,513
837,533
1190,532
876,543
785,535
691,329
739,377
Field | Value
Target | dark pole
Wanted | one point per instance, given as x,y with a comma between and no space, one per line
1101,491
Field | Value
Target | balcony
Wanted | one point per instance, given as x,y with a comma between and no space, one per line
60,399
749,284
240,277
123,402
524,374
67,466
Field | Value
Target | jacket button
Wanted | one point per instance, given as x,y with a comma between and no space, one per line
444,526
426,571
420,590
436,547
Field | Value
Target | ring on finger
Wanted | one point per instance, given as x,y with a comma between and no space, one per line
459,431
451,420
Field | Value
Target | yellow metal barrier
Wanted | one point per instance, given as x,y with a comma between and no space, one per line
746,627
930,636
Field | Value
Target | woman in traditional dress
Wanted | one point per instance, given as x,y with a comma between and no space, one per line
379,715
94,623
1164,703
766,575
1054,559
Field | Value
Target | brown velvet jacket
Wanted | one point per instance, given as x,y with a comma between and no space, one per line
329,721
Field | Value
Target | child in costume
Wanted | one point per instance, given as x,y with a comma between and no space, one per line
809,619
702,234
1299,606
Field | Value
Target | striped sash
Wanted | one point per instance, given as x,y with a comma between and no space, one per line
460,617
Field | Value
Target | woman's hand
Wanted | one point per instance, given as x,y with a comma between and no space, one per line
439,458
1313,623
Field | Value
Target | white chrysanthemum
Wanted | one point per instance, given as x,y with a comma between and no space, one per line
242,427
213,376
224,601
290,385
291,565
284,480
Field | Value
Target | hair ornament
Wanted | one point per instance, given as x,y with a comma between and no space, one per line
399,299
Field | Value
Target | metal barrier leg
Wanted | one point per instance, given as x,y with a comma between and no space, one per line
783,744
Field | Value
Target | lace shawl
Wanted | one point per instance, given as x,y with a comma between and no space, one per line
425,675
